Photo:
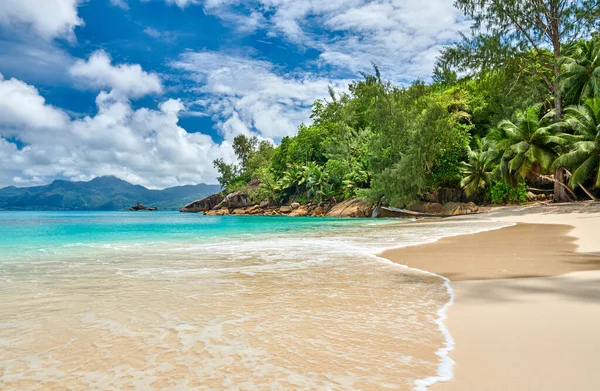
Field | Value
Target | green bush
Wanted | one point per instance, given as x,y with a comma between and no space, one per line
503,193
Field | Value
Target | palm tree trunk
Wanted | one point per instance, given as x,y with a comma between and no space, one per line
560,193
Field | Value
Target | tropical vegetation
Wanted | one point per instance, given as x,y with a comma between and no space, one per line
524,113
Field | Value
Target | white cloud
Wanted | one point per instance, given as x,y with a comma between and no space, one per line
21,107
46,18
246,95
182,3
120,3
145,146
128,79
152,32
402,36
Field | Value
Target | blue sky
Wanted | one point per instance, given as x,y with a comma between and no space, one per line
153,90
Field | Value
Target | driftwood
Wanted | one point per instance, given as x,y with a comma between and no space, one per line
410,213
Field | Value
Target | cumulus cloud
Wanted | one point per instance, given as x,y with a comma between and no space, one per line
128,79
22,107
46,18
145,146
402,36
250,96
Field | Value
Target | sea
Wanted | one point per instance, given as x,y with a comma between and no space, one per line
172,301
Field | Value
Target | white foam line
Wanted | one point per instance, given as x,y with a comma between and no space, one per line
445,370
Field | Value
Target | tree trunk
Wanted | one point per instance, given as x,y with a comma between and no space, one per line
560,193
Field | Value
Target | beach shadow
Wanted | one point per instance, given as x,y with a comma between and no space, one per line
576,287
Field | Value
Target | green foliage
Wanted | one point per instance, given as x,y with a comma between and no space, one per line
502,193
524,146
477,173
487,133
268,188
580,78
583,156
227,172
336,171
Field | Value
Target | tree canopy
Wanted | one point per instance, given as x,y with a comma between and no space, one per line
491,131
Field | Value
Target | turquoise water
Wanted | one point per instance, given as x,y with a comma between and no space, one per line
169,301
31,233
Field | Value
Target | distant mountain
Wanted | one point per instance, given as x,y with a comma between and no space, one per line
102,193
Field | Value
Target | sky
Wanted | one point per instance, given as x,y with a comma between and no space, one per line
152,91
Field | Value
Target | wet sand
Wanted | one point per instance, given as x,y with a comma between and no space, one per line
527,300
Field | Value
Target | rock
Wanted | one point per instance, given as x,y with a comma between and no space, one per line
219,212
285,209
264,204
239,211
432,196
253,210
446,195
301,211
459,208
319,211
295,205
139,206
531,196
234,200
253,184
425,207
203,205
351,208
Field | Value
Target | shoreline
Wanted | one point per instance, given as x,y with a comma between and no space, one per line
533,264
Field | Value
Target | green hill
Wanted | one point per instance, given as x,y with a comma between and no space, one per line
102,193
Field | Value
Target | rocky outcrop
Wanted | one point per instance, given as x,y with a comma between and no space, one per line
218,212
446,195
139,206
203,205
459,208
351,208
425,207
301,210
234,200
285,209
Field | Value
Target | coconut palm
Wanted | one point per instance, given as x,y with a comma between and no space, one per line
525,146
580,78
584,155
478,172
293,178
317,182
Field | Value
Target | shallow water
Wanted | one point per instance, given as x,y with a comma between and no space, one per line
168,301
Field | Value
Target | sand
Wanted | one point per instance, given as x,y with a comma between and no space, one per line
527,299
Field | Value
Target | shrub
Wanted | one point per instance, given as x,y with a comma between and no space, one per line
503,193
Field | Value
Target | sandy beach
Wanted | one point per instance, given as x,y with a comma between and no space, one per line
527,299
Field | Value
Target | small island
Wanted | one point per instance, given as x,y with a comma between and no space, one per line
139,206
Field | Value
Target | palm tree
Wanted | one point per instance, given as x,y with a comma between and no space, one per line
580,78
525,146
293,178
317,182
478,172
584,155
